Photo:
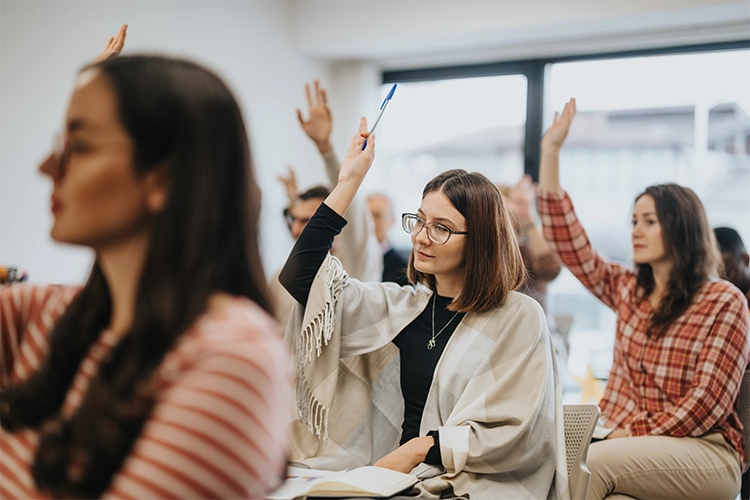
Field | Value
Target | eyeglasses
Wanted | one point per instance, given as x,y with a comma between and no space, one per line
437,232
291,219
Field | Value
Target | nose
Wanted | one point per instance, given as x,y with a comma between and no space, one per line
50,166
422,237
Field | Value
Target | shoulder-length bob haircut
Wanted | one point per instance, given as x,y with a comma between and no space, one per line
690,246
493,265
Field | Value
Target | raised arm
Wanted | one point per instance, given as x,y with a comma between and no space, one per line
316,239
562,229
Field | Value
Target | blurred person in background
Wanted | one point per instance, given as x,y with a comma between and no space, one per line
394,266
680,343
165,376
356,247
735,258
736,270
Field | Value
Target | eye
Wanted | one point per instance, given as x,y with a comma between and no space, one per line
78,147
441,230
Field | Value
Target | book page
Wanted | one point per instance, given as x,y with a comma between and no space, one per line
368,481
299,481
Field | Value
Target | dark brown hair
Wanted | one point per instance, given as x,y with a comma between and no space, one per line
493,265
205,240
690,246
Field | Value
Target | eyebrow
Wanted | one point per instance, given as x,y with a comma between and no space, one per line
439,219
645,214
79,124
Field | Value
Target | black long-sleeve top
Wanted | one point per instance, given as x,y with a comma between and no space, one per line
417,361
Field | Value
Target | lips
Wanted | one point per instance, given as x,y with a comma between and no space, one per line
55,205
423,255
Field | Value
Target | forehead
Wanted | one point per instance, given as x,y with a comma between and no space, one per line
378,203
93,106
435,205
305,208
644,204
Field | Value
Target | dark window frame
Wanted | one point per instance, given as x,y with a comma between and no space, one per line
534,70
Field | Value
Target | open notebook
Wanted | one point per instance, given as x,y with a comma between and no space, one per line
363,481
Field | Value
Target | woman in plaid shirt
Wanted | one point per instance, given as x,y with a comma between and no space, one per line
681,343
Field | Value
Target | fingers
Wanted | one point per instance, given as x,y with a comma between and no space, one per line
324,96
556,118
363,127
299,117
119,40
309,96
320,100
110,42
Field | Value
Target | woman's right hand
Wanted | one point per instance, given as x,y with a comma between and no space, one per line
549,166
558,131
357,161
353,170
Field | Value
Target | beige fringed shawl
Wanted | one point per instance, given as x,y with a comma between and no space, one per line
494,397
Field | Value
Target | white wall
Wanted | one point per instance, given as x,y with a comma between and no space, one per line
414,33
44,44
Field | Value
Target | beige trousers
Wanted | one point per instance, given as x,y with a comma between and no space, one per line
664,468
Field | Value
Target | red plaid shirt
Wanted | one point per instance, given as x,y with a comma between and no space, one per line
684,383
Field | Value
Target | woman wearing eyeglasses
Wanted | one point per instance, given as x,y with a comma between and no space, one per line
476,409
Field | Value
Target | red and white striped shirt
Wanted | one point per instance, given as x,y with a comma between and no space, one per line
683,383
218,428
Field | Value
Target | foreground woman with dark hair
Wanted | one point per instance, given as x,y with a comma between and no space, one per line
165,375
681,344
477,410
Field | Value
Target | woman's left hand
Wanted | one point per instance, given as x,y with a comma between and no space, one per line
114,46
619,433
407,456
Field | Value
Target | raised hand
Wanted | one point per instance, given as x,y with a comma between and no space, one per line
558,131
549,165
320,122
357,161
356,165
114,46
290,184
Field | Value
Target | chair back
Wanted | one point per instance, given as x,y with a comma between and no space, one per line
580,422
742,405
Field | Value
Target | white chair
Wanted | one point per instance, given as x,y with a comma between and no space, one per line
580,422
742,405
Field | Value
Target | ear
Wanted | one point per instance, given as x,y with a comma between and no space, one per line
156,189
746,259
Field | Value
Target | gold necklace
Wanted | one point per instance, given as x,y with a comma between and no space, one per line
431,342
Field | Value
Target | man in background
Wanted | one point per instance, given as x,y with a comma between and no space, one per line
394,265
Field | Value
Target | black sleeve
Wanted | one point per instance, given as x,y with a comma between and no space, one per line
433,456
309,252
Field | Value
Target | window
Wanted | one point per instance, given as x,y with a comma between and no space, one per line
641,121
477,124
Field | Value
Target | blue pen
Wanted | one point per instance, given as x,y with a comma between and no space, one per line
382,110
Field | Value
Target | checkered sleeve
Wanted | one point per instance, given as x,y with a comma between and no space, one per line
566,235
717,378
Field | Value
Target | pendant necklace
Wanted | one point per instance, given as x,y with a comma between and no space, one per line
431,342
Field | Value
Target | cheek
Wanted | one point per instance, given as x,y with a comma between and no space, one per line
98,203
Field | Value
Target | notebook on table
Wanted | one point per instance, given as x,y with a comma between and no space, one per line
373,482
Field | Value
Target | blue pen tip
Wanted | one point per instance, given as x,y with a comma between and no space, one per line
390,94
393,89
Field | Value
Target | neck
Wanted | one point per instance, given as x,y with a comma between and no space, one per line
661,271
122,265
449,285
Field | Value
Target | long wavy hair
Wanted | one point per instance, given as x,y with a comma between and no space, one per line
493,265
180,115
690,246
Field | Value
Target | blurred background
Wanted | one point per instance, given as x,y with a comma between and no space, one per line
663,90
